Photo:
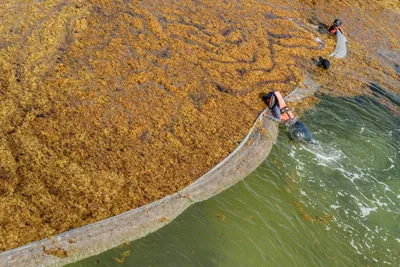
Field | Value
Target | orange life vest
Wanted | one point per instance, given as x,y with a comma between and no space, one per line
286,114
334,29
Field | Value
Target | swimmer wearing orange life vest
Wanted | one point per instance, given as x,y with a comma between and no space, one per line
281,111
335,27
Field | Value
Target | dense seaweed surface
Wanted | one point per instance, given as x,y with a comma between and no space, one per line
109,105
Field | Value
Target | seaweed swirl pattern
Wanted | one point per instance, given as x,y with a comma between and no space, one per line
102,100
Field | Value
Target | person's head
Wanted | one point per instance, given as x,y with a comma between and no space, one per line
324,63
337,23
269,99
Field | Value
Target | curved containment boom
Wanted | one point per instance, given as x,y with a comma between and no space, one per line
95,238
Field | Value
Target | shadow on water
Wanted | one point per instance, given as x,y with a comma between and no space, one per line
383,104
380,92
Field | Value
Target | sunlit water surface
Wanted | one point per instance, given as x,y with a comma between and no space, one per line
335,203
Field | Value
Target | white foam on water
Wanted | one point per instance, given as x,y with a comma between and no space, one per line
340,193
366,227
325,154
299,168
318,132
369,193
354,176
382,204
370,240
353,244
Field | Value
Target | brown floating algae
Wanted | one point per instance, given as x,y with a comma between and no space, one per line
110,105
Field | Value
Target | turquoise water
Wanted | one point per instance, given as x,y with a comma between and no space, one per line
335,203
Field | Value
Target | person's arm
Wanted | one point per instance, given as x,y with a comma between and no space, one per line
276,112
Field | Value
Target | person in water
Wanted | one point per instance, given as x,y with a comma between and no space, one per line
336,26
281,111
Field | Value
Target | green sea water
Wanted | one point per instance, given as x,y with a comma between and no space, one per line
334,203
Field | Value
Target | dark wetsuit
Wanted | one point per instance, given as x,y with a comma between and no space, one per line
296,129
299,131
